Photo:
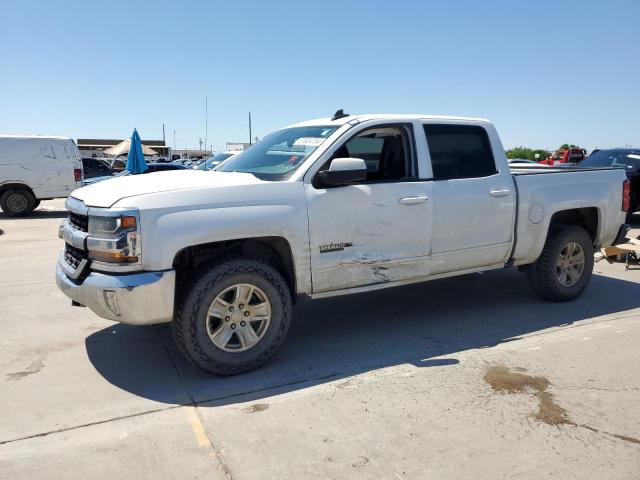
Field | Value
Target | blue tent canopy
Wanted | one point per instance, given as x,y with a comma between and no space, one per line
135,160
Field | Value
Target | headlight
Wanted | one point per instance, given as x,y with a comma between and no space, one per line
114,239
107,227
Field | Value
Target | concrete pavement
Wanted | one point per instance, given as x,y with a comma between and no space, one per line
470,377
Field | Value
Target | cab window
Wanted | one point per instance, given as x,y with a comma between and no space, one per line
459,151
387,151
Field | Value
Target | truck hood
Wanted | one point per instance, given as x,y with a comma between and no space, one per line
108,192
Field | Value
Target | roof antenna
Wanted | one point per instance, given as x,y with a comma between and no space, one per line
339,114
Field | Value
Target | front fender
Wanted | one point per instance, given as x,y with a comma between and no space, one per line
164,234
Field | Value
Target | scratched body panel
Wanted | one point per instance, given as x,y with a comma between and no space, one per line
45,165
381,239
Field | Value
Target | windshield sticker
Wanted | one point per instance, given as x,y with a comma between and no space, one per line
308,141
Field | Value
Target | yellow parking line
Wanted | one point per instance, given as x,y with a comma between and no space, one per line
198,428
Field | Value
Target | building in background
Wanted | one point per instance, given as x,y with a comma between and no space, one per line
93,147
237,146
184,154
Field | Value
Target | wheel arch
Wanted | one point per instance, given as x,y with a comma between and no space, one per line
13,185
586,217
273,250
533,238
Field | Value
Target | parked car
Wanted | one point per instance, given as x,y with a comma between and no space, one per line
323,208
118,164
569,155
196,162
523,162
95,167
152,167
181,161
626,158
217,159
35,168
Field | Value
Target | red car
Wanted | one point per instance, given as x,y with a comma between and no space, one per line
571,155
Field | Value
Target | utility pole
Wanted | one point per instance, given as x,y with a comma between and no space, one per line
174,139
250,128
206,121
163,139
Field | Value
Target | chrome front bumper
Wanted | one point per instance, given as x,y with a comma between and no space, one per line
133,298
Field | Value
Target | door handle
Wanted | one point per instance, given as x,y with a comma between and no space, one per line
500,193
413,200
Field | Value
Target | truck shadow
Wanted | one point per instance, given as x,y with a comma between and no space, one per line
335,338
36,214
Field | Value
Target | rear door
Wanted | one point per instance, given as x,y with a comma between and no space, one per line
473,202
63,165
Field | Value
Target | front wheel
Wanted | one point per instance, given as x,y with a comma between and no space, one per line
233,317
565,265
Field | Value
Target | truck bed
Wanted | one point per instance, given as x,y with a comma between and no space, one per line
543,191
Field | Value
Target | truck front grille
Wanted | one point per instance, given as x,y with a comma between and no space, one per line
81,222
73,256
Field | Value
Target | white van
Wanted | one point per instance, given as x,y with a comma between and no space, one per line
34,168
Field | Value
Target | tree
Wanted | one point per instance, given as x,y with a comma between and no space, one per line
527,153
542,154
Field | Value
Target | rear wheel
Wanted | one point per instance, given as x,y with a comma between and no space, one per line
17,202
565,265
233,317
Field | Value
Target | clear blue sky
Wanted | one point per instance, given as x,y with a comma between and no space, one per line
546,72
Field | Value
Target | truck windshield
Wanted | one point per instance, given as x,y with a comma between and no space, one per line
279,154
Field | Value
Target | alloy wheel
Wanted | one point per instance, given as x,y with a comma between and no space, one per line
570,264
239,317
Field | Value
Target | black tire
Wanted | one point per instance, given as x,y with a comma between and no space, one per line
543,276
36,204
190,323
17,202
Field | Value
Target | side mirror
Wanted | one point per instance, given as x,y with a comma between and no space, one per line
344,171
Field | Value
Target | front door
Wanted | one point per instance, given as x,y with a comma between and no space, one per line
377,231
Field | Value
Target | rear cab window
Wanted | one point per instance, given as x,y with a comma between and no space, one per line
459,151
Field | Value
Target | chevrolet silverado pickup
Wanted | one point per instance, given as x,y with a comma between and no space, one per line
327,207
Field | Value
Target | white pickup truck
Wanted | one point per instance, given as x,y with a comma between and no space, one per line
321,208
